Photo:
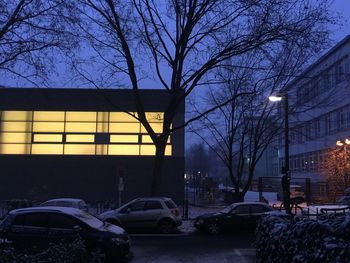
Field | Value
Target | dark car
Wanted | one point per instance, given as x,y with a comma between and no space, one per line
33,229
237,216
145,213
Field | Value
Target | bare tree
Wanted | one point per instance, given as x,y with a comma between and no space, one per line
29,31
183,42
336,169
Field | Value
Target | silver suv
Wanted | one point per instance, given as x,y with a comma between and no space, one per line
151,212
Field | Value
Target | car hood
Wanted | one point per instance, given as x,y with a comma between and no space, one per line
114,229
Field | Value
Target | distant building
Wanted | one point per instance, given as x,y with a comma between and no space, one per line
80,142
320,100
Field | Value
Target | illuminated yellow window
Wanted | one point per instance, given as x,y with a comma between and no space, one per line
80,138
80,127
16,116
168,150
102,116
47,148
148,150
155,116
101,149
16,126
147,139
48,115
81,116
122,117
124,138
79,149
102,127
124,127
48,126
157,128
15,137
48,137
123,149
151,150
14,148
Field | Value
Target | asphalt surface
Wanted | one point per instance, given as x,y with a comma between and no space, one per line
193,248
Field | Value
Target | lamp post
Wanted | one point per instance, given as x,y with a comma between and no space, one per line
185,210
286,176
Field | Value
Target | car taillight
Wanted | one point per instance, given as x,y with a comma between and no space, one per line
175,212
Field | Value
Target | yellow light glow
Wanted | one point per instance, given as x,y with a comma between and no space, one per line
48,126
15,148
16,116
16,127
102,116
15,137
124,138
148,150
123,149
81,116
155,116
80,127
80,138
79,149
124,127
101,149
47,148
148,139
157,128
122,117
48,137
102,127
48,115
168,150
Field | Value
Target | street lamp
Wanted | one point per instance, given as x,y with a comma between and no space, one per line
286,177
185,208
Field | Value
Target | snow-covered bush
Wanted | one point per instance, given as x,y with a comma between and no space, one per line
73,252
280,239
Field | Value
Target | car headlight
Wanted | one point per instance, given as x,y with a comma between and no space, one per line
200,221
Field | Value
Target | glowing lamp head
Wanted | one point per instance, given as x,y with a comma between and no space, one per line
275,98
339,143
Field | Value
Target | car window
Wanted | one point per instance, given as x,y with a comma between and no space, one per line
242,209
64,203
259,209
34,219
151,205
137,206
62,221
170,204
50,203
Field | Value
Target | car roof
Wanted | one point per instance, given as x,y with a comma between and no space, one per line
57,209
250,203
65,199
152,198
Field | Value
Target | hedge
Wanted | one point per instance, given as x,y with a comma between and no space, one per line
281,239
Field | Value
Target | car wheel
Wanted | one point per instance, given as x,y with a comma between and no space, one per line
98,255
113,222
214,228
166,226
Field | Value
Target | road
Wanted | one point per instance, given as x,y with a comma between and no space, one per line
193,248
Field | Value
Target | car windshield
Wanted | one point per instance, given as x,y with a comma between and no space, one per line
89,219
227,209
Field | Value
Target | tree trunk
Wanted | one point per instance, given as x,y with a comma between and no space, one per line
158,168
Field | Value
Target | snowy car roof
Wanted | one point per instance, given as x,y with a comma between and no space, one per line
68,210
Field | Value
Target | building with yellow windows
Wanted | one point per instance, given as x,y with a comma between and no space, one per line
79,142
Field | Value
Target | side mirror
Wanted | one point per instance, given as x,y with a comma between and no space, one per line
128,211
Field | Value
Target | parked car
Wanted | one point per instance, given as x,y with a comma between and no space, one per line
242,215
34,228
152,212
344,200
67,202
295,191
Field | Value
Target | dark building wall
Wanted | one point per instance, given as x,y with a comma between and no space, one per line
41,177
